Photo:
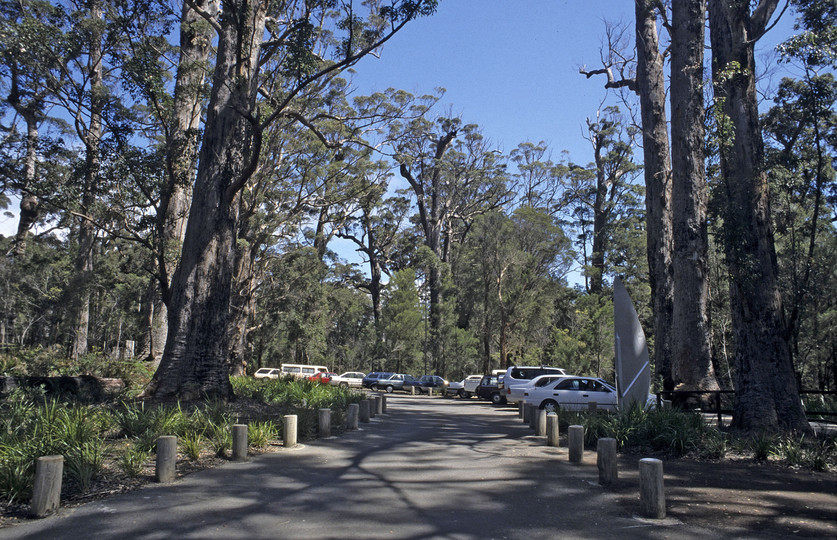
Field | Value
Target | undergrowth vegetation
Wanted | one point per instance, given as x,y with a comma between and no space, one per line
677,433
120,438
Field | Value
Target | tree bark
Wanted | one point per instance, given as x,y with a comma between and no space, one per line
181,154
652,95
766,393
29,202
691,330
194,363
87,232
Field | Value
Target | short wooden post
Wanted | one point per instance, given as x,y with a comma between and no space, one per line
364,411
166,458
373,409
606,460
592,406
383,404
541,422
239,447
46,492
575,441
289,433
351,416
520,406
324,423
652,497
412,390
533,416
379,404
552,429
527,410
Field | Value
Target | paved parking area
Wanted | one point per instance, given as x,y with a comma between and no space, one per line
429,468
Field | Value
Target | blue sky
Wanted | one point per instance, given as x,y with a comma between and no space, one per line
510,66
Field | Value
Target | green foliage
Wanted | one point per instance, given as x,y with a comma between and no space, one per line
191,444
132,460
260,433
762,445
402,321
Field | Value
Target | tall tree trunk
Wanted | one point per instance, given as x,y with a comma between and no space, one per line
766,393
600,214
652,98
242,301
181,154
195,358
29,202
92,140
691,330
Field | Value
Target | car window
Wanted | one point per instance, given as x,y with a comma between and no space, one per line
596,386
544,381
568,384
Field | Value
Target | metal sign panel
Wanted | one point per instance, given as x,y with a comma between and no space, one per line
633,367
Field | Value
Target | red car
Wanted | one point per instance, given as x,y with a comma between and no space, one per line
322,377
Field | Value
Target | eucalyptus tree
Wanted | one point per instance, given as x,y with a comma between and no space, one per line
767,394
515,261
595,198
402,322
454,176
536,179
283,57
691,329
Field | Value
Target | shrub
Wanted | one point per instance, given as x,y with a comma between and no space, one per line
132,460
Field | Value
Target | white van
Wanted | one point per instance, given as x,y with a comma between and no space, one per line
302,371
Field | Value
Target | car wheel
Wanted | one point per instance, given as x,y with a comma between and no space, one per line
461,393
549,406
496,398
465,395
343,385
389,389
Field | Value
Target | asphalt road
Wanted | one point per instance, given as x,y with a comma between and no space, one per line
429,468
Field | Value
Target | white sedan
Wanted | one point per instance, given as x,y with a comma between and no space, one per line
573,394
517,392
350,378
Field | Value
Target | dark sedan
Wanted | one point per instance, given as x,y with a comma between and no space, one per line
424,383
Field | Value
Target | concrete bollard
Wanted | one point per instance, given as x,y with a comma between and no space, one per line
526,411
166,459
520,407
363,413
46,492
239,446
412,390
383,404
351,416
373,408
575,442
552,432
324,423
652,497
379,404
540,423
289,433
606,460
592,406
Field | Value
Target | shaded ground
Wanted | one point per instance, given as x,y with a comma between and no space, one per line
462,469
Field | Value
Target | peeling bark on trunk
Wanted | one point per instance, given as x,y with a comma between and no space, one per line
766,393
691,330
652,95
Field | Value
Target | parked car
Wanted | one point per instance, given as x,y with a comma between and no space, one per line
466,387
350,378
394,382
424,383
573,393
323,377
519,374
372,378
487,389
515,393
267,373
